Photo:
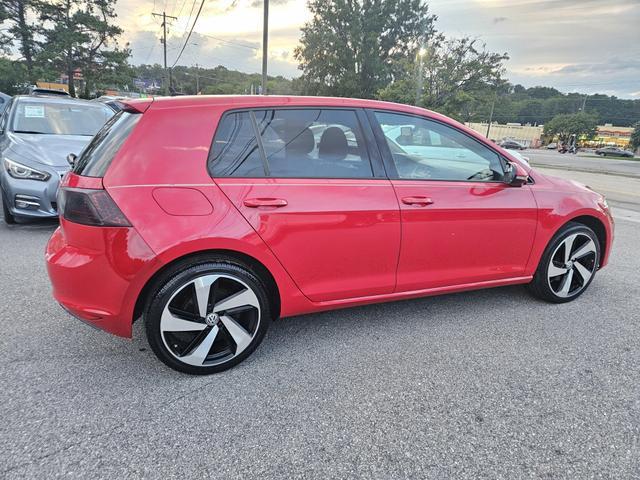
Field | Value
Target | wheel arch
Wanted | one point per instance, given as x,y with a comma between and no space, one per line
243,259
595,224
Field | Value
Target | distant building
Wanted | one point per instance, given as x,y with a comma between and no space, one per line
531,135
527,135
608,135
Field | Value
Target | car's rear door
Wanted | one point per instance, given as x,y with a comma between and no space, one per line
461,224
312,184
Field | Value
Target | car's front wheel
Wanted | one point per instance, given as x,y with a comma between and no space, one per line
207,317
568,264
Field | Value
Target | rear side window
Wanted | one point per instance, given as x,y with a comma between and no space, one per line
97,156
291,143
235,148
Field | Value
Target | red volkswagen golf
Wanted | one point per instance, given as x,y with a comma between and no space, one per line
208,217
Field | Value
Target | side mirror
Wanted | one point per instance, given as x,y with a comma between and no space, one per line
515,175
71,158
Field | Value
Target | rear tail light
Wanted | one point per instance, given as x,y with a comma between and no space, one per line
90,207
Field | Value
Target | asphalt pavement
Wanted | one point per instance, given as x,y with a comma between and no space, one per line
585,162
487,384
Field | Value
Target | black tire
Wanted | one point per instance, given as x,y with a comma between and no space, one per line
174,280
9,219
540,286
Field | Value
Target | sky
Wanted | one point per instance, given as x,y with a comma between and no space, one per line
590,46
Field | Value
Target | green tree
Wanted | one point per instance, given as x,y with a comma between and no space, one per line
352,47
457,77
79,35
566,125
16,13
635,137
13,76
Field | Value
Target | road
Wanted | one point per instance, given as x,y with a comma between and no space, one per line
490,384
583,162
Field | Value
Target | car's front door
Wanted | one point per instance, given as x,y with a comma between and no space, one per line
312,185
461,224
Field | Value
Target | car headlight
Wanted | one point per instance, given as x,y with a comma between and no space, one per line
17,170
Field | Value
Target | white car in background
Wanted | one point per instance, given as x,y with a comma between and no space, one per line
519,156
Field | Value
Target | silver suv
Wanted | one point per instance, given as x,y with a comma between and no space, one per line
37,133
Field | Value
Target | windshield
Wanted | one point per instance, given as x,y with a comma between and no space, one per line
59,118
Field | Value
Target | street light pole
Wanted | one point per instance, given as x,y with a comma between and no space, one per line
493,104
265,43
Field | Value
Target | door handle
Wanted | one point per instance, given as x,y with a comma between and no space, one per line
420,201
265,202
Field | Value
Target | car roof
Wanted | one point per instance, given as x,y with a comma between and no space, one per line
253,101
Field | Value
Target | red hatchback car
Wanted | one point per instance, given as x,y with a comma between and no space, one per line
209,217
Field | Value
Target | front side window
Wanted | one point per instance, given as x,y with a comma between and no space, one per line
51,118
423,149
293,143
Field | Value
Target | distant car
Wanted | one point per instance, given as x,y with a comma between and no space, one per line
111,102
552,146
48,91
36,135
519,156
512,145
614,152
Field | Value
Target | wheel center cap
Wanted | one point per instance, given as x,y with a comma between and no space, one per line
212,319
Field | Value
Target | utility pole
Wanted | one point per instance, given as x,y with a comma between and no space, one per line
265,42
197,81
167,73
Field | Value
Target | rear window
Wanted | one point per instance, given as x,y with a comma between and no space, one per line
97,156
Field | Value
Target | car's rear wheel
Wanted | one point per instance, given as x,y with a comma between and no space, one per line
568,264
8,217
207,317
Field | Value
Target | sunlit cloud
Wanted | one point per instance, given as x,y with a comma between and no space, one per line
558,43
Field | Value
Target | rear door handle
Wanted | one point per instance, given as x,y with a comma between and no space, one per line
265,202
419,200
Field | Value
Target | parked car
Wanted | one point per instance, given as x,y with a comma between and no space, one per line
36,135
552,146
209,217
519,156
512,145
614,152
48,91
4,101
111,101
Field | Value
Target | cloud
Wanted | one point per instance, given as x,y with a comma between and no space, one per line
586,45
567,44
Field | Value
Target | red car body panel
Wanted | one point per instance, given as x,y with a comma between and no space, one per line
335,243
485,229
344,246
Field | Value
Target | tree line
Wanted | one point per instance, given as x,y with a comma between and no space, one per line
381,49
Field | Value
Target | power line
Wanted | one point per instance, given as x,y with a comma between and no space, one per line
190,32
230,42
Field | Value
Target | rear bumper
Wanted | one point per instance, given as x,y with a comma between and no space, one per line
97,273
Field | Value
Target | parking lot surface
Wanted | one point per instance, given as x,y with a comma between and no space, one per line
488,384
